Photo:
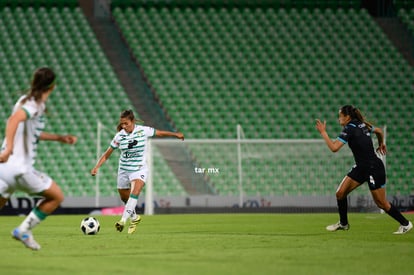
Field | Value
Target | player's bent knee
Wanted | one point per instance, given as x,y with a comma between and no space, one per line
384,205
54,193
60,198
340,195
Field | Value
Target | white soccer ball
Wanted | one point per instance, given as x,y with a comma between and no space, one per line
90,226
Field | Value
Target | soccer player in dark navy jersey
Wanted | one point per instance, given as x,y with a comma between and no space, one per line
368,167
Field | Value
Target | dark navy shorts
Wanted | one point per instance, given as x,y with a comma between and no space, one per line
373,173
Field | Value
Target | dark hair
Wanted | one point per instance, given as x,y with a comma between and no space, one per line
354,113
129,114
43,79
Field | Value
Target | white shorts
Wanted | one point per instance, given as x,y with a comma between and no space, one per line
125,178
31,182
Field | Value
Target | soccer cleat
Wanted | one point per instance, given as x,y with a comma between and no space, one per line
404,229
133,226
26,238
119,226
337,226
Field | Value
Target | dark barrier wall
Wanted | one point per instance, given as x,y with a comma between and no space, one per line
39,3
23,205
233,3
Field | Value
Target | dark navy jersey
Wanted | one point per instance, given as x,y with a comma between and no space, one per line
359,139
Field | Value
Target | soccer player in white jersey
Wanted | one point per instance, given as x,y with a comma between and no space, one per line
131,139
24,129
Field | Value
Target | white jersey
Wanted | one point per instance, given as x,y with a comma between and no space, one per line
133,147
27,133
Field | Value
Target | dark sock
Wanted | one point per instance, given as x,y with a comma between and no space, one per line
396,215
343,211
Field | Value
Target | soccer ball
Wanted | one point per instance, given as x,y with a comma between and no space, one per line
90,226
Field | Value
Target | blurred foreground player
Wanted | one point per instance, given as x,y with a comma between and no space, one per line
24,129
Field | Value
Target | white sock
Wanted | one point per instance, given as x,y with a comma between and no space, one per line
129,210
134,215
31,220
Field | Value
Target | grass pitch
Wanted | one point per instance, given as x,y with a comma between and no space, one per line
213,244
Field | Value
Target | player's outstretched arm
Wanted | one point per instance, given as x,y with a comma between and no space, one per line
159,133
68,139
11,128
333,145
102,160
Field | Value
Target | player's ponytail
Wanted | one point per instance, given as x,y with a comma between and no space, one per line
355,113
43,79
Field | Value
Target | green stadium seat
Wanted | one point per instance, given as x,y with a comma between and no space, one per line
33,37
266,59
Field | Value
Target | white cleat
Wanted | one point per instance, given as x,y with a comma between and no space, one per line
26,238
404,229
337,226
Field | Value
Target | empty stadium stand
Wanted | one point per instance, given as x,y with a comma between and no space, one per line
87,91
273,68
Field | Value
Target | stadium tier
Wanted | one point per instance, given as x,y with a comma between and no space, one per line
273,71
407,17
87,91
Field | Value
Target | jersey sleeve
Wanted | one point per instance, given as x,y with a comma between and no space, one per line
115,141
30,109
149,131
344,135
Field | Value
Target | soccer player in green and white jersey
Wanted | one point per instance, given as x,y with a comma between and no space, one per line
131,139
24,130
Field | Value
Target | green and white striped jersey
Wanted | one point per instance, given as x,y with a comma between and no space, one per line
27,133
133,147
